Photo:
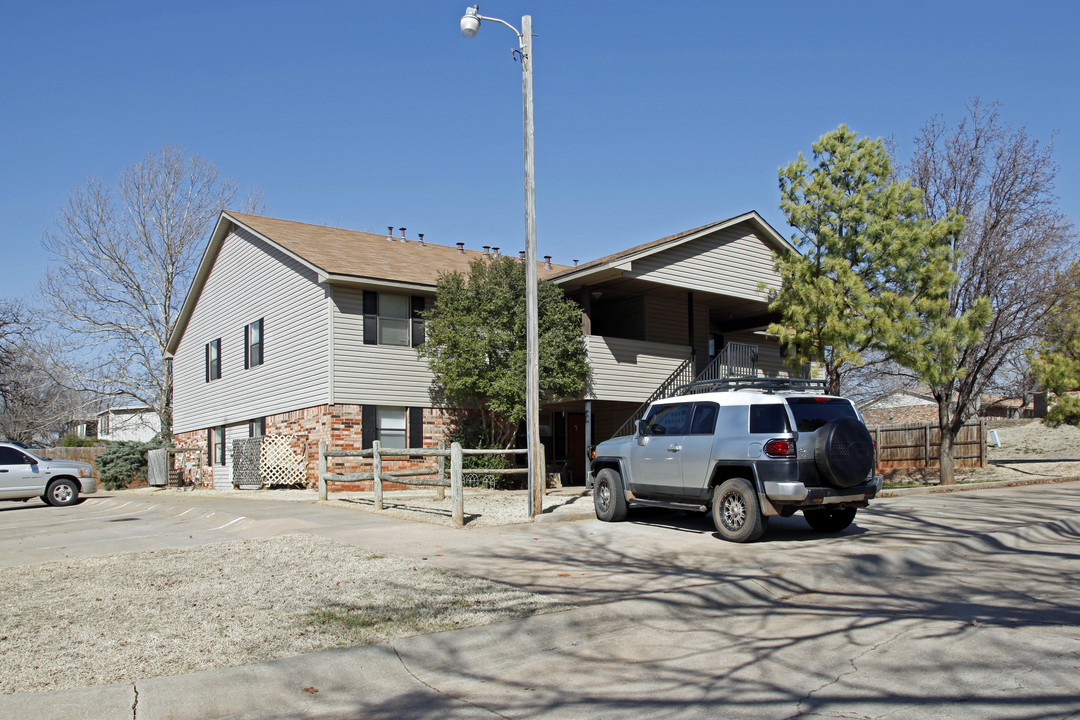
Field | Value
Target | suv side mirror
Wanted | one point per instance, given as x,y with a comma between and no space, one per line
642,428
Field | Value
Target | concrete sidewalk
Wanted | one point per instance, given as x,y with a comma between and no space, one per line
981,627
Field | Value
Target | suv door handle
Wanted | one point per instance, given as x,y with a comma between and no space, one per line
674,447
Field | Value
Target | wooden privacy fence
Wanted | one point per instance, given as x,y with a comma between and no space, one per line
917,445
429,477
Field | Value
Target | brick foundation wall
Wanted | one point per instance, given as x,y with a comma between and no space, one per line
341,428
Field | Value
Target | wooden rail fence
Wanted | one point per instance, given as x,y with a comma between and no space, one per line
917,445
428,477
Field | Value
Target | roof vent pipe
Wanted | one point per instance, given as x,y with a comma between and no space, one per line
547,262
575,262
461,247
521,254
402,234
486,248
390,233
421,236
495,250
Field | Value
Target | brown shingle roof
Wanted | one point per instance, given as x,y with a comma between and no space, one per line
365,255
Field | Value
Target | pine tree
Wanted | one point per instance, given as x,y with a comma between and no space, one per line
869,267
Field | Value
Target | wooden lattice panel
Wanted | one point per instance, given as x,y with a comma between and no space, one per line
279,464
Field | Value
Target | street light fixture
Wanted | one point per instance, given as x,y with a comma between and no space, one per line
470,25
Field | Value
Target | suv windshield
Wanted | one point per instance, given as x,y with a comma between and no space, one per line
812,413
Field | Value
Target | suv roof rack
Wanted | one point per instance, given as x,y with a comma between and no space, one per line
768,385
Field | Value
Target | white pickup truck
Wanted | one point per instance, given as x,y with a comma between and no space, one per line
25,475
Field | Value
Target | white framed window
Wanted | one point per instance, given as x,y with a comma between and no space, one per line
257,427
216,445
390,423
253,344
393,319
213,360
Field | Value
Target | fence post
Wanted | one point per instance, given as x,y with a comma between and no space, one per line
456,493
536,504
440,491
926,445
376,471
982,442
322,471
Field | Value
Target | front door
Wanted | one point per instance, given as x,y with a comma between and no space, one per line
656,453
575,448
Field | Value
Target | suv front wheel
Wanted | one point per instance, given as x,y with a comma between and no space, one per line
736,512
608,498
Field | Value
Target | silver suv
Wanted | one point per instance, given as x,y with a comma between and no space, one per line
24,475
746,449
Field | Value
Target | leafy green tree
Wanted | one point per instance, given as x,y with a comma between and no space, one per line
475,346
869,268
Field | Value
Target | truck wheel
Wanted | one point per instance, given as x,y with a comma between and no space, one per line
608,498
736,512
830,520
61,493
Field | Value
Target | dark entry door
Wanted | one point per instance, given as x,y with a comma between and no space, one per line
575,448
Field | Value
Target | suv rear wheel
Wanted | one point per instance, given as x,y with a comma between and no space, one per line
736,512
608,498
830,520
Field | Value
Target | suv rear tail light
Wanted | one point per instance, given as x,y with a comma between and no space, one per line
780,448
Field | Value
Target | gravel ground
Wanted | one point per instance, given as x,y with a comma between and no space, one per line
109,619
101,620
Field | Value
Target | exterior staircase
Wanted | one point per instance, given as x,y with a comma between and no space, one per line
736,360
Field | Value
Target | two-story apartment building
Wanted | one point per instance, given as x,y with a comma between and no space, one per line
290,328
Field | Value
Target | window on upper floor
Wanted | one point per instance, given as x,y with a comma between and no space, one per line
391,319
253,344
213,360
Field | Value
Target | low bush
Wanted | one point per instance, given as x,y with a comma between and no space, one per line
124,463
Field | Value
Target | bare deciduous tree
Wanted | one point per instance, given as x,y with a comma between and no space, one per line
37,404
14,327
123,259
1015,243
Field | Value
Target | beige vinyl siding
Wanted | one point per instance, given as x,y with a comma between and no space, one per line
666,322
770,361
373,374
744,260
252,279
630,370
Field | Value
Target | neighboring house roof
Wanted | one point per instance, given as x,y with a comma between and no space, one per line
340,256
128,410
901,397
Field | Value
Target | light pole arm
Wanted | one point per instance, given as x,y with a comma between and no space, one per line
521,38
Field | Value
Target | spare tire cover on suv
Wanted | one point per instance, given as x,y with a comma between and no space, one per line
844,452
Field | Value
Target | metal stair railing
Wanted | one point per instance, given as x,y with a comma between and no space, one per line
736,360
682,375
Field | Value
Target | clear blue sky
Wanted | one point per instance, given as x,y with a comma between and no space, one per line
651,117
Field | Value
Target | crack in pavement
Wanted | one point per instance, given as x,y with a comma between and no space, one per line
440,692
854,669
135,704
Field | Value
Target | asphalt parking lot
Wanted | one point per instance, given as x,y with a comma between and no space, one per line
960,605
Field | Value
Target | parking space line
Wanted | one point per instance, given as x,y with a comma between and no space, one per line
231,522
